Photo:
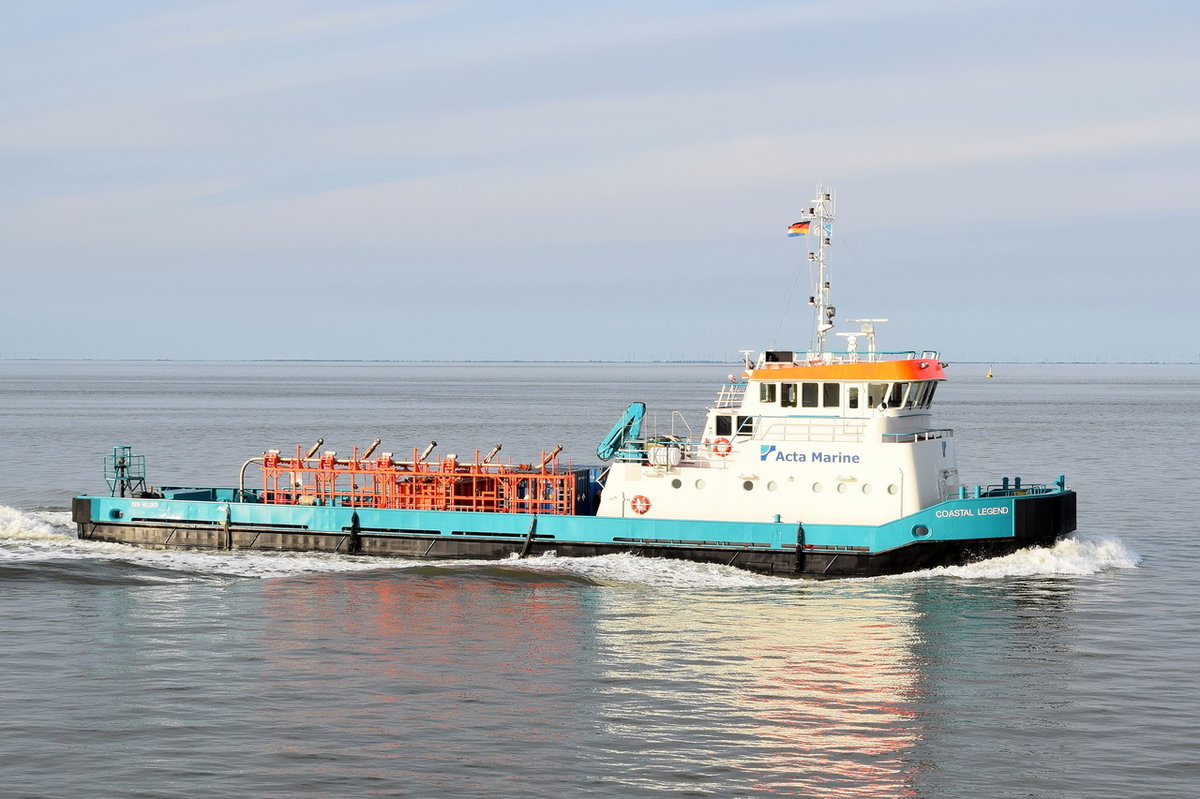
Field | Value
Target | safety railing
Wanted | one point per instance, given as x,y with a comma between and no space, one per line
848,356
920,435
1014,488
731,395
810,428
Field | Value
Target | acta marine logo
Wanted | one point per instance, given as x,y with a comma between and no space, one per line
771,452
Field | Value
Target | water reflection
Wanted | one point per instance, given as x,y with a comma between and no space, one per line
849,689
443,679
793,691
489,679
992,658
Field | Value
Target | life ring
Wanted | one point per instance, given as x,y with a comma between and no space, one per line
639,504
722,447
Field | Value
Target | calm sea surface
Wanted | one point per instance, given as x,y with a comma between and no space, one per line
1069,672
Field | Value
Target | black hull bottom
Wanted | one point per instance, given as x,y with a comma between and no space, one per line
1038,523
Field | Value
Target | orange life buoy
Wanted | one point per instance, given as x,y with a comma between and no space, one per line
722,447
639,504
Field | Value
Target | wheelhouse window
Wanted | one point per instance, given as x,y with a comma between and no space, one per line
808,395
724,425
897,395
745,425
787,395
929,394
852,397
766,392
876,394
831,395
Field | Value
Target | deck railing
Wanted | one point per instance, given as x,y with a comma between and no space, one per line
731,395
801,358
920,435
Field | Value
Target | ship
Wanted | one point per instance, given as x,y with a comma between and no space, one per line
812,462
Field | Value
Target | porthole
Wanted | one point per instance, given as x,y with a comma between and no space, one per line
920,531
816,488
748,485
772,486
676,483
867,488
893,489
700,483
841,488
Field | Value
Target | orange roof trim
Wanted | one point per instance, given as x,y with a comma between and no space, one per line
878,372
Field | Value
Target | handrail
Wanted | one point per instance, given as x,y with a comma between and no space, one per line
919,435
1015,488
731,395
850,356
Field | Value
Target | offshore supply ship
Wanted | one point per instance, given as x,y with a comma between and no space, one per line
811,463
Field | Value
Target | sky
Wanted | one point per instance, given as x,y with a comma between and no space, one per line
311,179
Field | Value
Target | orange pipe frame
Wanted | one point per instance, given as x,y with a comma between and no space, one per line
447,484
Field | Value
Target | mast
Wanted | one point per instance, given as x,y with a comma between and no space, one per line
820,215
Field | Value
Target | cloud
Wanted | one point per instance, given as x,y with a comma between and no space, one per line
398,135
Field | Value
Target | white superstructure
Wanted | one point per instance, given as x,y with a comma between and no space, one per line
815,436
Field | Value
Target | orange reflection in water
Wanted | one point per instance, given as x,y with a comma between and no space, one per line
478,675
802,694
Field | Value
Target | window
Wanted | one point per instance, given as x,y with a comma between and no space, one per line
724,426
897,395
876,393
766,392
745,425
916,394
808,395
929,397
787,395
831,395
852,397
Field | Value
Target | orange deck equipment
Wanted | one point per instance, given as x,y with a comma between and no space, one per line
446,484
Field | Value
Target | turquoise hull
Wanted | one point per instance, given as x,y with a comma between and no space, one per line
952,532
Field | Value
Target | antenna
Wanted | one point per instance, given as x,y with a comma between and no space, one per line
821,213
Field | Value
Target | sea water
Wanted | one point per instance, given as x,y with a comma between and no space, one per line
1060,672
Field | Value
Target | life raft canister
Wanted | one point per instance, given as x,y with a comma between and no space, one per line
639,504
